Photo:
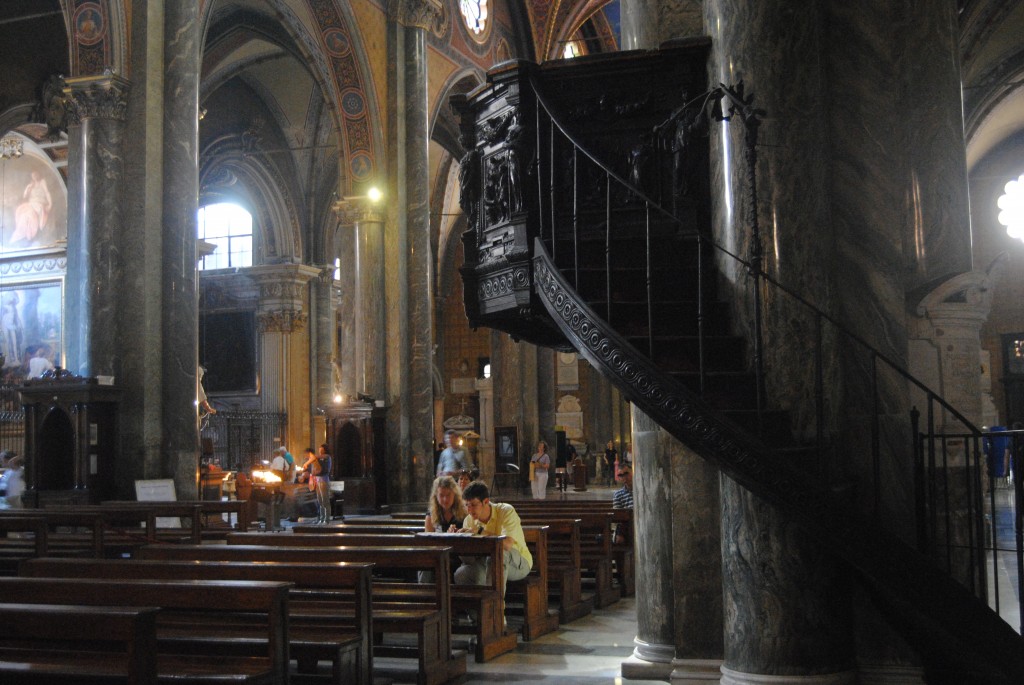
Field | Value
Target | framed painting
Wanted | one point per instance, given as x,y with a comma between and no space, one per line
31,330
33,199
227,349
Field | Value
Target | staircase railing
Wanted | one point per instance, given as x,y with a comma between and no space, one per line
592,182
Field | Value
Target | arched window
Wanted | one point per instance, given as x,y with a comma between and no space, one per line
229,227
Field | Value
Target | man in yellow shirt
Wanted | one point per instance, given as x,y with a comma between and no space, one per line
493,518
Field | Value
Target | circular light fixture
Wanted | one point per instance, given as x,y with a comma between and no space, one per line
1011,204
374,194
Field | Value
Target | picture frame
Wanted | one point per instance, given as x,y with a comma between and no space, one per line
227,349
31,320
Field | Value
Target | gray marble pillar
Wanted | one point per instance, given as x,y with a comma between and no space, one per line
863,201
178,316
97,108
648,23
678,561
346,307
514,379
410,19
787,608
323,298
369,315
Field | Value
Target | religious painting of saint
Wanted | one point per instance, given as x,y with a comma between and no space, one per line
33,202
30,328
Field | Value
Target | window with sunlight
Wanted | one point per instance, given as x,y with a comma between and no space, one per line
229,227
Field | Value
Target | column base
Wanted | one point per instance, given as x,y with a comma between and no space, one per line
650,651
731,677
889,674
635,668
696,671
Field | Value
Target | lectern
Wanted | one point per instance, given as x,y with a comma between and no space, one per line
70,439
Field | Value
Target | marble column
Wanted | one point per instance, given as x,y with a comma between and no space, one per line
678,561
346,308
514,378
179,323
97,108
369,330
322,336
409,21
485,447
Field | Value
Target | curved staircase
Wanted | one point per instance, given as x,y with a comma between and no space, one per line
565,252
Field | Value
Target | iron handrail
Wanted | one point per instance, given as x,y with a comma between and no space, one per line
815,311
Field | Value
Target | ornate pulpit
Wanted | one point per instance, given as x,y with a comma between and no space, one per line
70,439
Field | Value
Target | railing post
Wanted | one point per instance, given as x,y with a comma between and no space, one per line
575,218
920,504
650,281
876,442
819,404
700,314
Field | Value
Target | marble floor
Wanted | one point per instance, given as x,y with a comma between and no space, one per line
588,651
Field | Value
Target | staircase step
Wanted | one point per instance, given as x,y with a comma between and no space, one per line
681,354
773,428
723,389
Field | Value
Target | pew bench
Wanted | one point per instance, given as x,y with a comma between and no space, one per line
425,616
77,645
212,524
340,637
490,639
202,608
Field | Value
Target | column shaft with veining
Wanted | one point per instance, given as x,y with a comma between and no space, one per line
411,417
97,111
178,316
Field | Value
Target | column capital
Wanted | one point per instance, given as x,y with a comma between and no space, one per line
419,14
104,96
358,211
282,289
281,321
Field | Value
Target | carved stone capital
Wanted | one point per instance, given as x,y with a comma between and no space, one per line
282,290
420,14
358,211
281,321
104,97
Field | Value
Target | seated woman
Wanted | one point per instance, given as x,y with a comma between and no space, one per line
445,515
447,511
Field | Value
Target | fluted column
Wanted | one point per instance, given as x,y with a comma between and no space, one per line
411,421
369,332
97,108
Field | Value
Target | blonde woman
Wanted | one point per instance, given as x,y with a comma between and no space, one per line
447,511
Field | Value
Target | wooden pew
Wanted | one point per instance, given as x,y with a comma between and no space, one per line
335,627
211,522
428,618
563,559
533,589
41,646
483,601
595,550
622,552
190,628
537,619
14,548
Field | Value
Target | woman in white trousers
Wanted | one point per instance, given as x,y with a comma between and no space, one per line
541,464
